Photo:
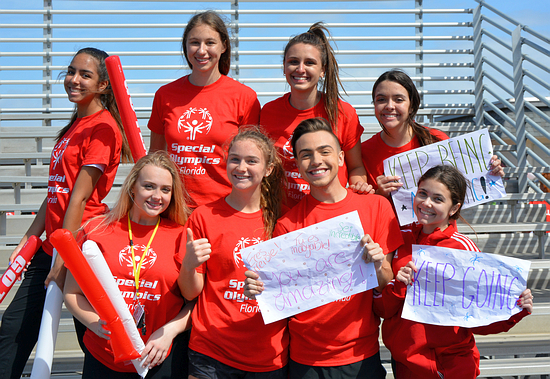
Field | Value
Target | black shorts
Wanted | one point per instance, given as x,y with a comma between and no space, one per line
174,366
369,368
204,367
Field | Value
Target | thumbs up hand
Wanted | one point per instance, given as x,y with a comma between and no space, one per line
196,251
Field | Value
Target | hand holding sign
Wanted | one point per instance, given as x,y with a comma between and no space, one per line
388,184
406,273
252,286
373,252
310,267
470,153
525,301
464,288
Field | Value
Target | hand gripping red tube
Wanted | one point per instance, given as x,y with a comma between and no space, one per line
67,247
19,263
125,107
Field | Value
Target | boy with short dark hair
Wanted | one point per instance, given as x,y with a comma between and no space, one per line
340,339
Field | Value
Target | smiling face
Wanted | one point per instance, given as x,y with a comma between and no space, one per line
392,107
246,166
303,67
433,205
318,156
204,48
152,193
82,82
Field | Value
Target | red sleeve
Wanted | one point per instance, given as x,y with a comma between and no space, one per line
102,146
195,223
500,326
390,301
439,134
180,245
351,128
155,123
388,234
279,230
252,114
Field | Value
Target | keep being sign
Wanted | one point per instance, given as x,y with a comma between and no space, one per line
310,267
471,153
463,288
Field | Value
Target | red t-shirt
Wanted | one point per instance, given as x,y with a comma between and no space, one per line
421,350
94,139
160,294
227,326
344,331
196,122
279,119
375,150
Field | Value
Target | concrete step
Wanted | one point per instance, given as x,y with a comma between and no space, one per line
64,365
502,213
37,195
518,245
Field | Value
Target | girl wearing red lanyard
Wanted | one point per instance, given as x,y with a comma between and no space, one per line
140,240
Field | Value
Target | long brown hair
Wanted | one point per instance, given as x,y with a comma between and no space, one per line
317,36
213,20
422,133
273,186
106,97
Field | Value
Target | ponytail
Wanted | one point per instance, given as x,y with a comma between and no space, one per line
317,36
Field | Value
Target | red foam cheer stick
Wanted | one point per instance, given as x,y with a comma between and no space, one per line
125,107
66,246
19,263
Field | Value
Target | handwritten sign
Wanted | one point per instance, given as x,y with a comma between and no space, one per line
463,288
470,153
310,267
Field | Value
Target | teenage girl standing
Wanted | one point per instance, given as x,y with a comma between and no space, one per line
227,326
396,101
193,116
425,351
140,239
82,170
309,63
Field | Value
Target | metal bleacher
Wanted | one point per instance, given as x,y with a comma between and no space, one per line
474,67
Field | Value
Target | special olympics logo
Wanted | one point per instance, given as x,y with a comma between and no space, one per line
243,242
287,148
125,258
195,120
58,150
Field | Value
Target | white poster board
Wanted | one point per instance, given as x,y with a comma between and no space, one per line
471,153
463,288
310,267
